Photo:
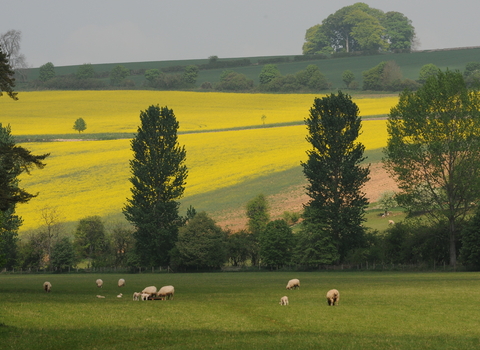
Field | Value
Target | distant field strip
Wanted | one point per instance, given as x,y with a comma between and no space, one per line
54,112
91,177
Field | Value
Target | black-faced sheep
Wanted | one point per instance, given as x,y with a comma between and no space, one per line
333,297
166,292
293,284
99,283
284,300
121,282
47,286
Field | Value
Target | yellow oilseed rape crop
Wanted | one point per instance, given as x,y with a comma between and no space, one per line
91,177
54,112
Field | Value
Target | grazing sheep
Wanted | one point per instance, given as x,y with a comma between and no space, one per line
100,297
145,296
47,286
333,297
391,222
121,282
150,290
136,296
99,283
120,295
166,292
293,284
284,300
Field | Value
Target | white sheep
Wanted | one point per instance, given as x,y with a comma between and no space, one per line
145,296
99,283
391,222
121,282
150,290
284,300
166,292
100,297
333,297
120,295
295,283
136,296
47,286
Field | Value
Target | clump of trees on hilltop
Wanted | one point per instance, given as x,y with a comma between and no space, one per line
359,28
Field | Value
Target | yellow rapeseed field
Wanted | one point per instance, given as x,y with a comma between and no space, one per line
54,112
84,178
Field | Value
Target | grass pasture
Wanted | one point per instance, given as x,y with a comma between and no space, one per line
378,310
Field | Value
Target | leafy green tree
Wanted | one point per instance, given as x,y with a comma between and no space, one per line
46,72
276,244
348,77
122,243
334,173
202,243
312,78
372,78
470,251
190,74
7,81
258,218
14,161
426,71
118,74
315,244
151,75
85,71
400,32
80,125
240,247
268,73
233,81
158,181
63,254
472,74
387,201
433,150
359,27
90,237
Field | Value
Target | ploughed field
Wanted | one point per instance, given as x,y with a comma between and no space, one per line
230,139
240,310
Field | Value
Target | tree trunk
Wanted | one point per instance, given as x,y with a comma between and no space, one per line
453,251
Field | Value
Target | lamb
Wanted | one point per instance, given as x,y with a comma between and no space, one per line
166,292
284,300
121,282
293,284
333,297
136,296
99,283
100,297
391,222
47,286
120,295
145,296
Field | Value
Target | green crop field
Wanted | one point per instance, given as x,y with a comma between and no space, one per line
240,310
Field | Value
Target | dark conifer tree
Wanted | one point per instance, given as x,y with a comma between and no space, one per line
158,178
337,205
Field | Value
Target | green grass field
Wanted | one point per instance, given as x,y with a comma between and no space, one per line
240,310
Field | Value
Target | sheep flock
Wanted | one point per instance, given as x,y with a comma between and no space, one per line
167,292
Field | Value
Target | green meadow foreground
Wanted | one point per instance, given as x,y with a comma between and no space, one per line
378,310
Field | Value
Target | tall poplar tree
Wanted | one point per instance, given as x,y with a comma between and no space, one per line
337,206
158,179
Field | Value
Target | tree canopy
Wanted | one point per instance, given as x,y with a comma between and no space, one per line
433,150
337,204
158,181
359,27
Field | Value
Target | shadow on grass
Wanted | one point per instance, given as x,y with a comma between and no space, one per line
145,338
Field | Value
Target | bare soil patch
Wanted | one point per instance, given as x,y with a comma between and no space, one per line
293,199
